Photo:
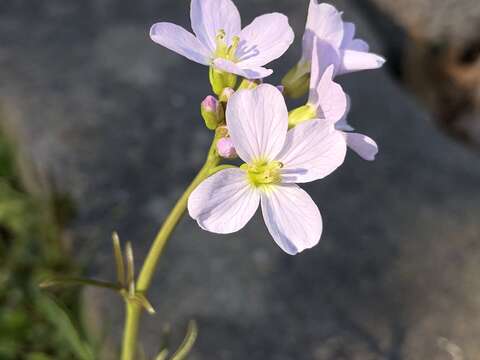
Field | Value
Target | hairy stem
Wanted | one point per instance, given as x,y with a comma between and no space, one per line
133,310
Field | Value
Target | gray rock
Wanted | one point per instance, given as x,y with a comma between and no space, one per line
113,120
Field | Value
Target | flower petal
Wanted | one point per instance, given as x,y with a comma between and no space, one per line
257,121
224,202
292,218
348,34
324,22
208,17
343,124
353,60
249,73
325,94
364,146
264,40
349,42
312,151
178,39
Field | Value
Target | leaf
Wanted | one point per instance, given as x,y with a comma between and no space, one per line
65,328
163,355
69,281
187,344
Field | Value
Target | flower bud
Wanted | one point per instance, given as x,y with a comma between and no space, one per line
281,88
297,81
301,114
226,93
212,112
220,80
226,149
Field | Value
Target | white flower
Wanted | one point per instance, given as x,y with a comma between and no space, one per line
325,95
324,22
219,39
332,104
275,160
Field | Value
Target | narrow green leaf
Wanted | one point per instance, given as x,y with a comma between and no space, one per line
143,302
117,250
130,269
163,355
65,328
187,344
72,281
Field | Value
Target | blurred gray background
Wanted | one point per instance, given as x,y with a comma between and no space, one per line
111,119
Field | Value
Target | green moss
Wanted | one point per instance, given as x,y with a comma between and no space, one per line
32,325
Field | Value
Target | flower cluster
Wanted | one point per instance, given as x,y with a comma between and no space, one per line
278,149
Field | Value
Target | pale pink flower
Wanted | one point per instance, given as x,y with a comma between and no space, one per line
275,160
325,95
324,22
220,41
333,105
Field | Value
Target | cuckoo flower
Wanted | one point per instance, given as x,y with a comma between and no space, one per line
220,41
326,100
324,22
336,45
333,105
275,161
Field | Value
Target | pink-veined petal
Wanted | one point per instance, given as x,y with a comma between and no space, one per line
326,95
324,22
264,40
257,121
208,17
312,151
224,202
292,218
249,73
178,39
364,146
358,60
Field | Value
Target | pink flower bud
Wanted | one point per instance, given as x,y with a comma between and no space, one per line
210,104
226,149
212,112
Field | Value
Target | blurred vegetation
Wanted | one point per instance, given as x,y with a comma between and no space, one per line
33,324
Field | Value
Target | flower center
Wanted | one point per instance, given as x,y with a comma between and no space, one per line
262,172
223,50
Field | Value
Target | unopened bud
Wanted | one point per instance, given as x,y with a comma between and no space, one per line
212,112
226,93
226,149
297,81
220,80
301,114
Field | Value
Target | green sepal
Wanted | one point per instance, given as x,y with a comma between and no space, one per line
301,114
213,118
220,80
247,84
297,81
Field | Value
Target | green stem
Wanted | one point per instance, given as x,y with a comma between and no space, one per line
129,347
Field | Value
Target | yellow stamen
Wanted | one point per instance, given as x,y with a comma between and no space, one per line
262,173
232,50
